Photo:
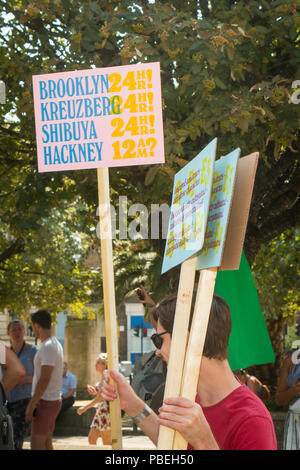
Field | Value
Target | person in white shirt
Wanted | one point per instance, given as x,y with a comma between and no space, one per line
45,403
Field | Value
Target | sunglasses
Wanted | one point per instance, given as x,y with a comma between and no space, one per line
157,340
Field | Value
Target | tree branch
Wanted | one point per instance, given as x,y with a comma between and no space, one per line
15,248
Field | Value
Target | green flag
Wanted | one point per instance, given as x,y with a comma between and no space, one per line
249,341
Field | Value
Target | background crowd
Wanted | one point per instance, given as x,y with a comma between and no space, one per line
39,387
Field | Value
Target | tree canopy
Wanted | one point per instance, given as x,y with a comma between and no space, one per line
276,274
227,69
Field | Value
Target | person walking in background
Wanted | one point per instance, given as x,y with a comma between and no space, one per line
288,393
100,426
69,385
45,403
261,390
19,397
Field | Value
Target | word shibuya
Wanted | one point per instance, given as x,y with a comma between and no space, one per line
133,222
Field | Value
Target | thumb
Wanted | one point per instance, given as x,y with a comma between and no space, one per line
116,376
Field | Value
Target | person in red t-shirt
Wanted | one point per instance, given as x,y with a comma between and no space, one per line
226,414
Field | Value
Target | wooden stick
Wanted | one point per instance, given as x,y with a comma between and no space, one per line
191,371
179,341
111,328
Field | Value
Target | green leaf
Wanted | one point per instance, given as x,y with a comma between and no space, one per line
219,83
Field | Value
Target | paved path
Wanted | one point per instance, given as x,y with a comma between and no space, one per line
81,443
130,441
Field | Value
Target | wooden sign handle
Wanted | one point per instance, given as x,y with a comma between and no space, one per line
179,341
192,364
111,329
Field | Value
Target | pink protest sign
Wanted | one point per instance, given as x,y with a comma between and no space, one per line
99,118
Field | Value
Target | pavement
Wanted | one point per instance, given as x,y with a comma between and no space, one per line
130,441
81,443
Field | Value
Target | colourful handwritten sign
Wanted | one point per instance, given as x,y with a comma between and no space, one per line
189,210
219,210
99,118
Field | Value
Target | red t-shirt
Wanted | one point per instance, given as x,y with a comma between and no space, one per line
241,422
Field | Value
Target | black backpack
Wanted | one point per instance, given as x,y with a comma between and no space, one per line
149,378
6,426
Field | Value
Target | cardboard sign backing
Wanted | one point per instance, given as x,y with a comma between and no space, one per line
238,219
